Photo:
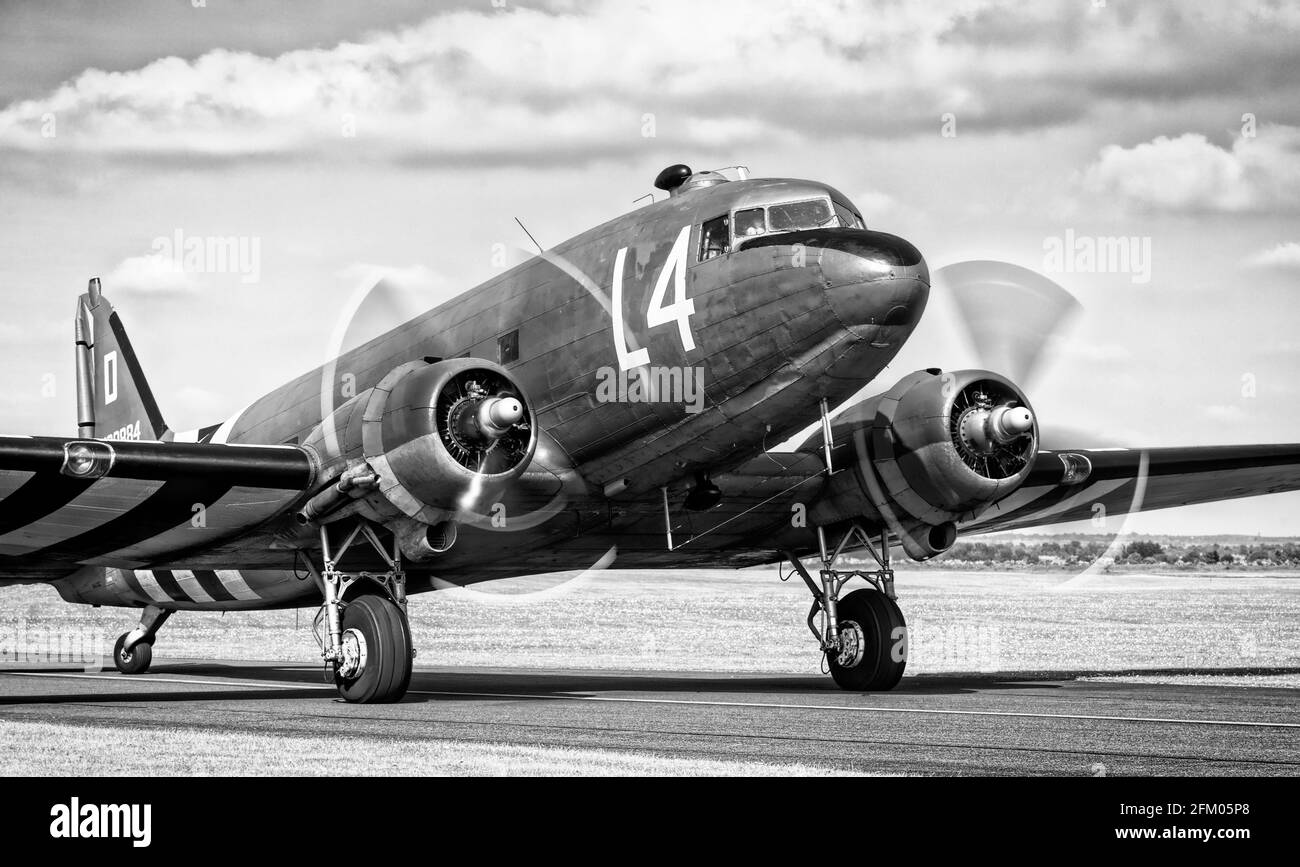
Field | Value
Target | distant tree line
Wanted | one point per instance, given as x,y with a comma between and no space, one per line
1053,552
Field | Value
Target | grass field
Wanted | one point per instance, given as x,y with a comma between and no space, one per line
748,621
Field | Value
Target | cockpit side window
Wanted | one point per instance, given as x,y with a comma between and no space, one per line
715,238
750,223
849,218
799,215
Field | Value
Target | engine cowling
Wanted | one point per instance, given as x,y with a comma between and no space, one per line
427,443
936,449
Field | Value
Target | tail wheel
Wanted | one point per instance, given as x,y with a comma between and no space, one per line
873,642
133,661
376,664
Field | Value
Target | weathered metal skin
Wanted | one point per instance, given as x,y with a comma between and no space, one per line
778,325
776,328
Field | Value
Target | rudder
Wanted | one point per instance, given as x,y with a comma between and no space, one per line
114,400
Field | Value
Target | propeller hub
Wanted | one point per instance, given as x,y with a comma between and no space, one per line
501,412
983,428
1011,422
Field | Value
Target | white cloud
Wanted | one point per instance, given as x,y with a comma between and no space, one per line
1189,173
151,273
1285,256
578,80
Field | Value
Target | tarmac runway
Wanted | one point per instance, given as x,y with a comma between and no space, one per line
935,724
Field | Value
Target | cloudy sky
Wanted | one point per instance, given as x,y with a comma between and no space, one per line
350,139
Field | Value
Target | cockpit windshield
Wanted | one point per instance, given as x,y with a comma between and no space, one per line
794,216
773,219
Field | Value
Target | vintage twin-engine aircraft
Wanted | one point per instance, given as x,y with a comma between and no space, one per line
613,399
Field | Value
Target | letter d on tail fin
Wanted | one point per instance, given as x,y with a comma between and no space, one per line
114,400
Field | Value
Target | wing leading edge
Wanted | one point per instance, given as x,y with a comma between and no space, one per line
1077,485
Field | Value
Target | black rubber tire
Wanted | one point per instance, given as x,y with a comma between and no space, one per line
387,672
135,662
884,655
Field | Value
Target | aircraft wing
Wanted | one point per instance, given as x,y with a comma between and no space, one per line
69,502
1120,481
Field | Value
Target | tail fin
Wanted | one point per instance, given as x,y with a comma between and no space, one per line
113,399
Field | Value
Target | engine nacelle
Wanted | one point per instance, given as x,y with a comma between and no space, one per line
935,449
428,442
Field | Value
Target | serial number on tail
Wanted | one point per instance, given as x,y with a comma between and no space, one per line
128,432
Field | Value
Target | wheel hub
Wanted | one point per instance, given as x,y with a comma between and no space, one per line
853,643
354,654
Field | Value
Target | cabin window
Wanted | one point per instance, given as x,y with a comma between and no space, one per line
715,238
750,223
508,347
799,215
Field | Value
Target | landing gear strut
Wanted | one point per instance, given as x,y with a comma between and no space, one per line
863,634
368,638
134,650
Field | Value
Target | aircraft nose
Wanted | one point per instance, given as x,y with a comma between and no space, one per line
874,279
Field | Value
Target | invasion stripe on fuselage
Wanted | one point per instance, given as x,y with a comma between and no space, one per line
236,584
149,585
126,576
213,585
223,431
170,506
193,589
168,584
198,435
200,585
42,495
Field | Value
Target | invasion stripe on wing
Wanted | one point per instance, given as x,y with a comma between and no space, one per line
39,497
1058,500
170,506
1022,497
1091,494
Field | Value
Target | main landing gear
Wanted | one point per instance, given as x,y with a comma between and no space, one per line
368,638
134,650
863,634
